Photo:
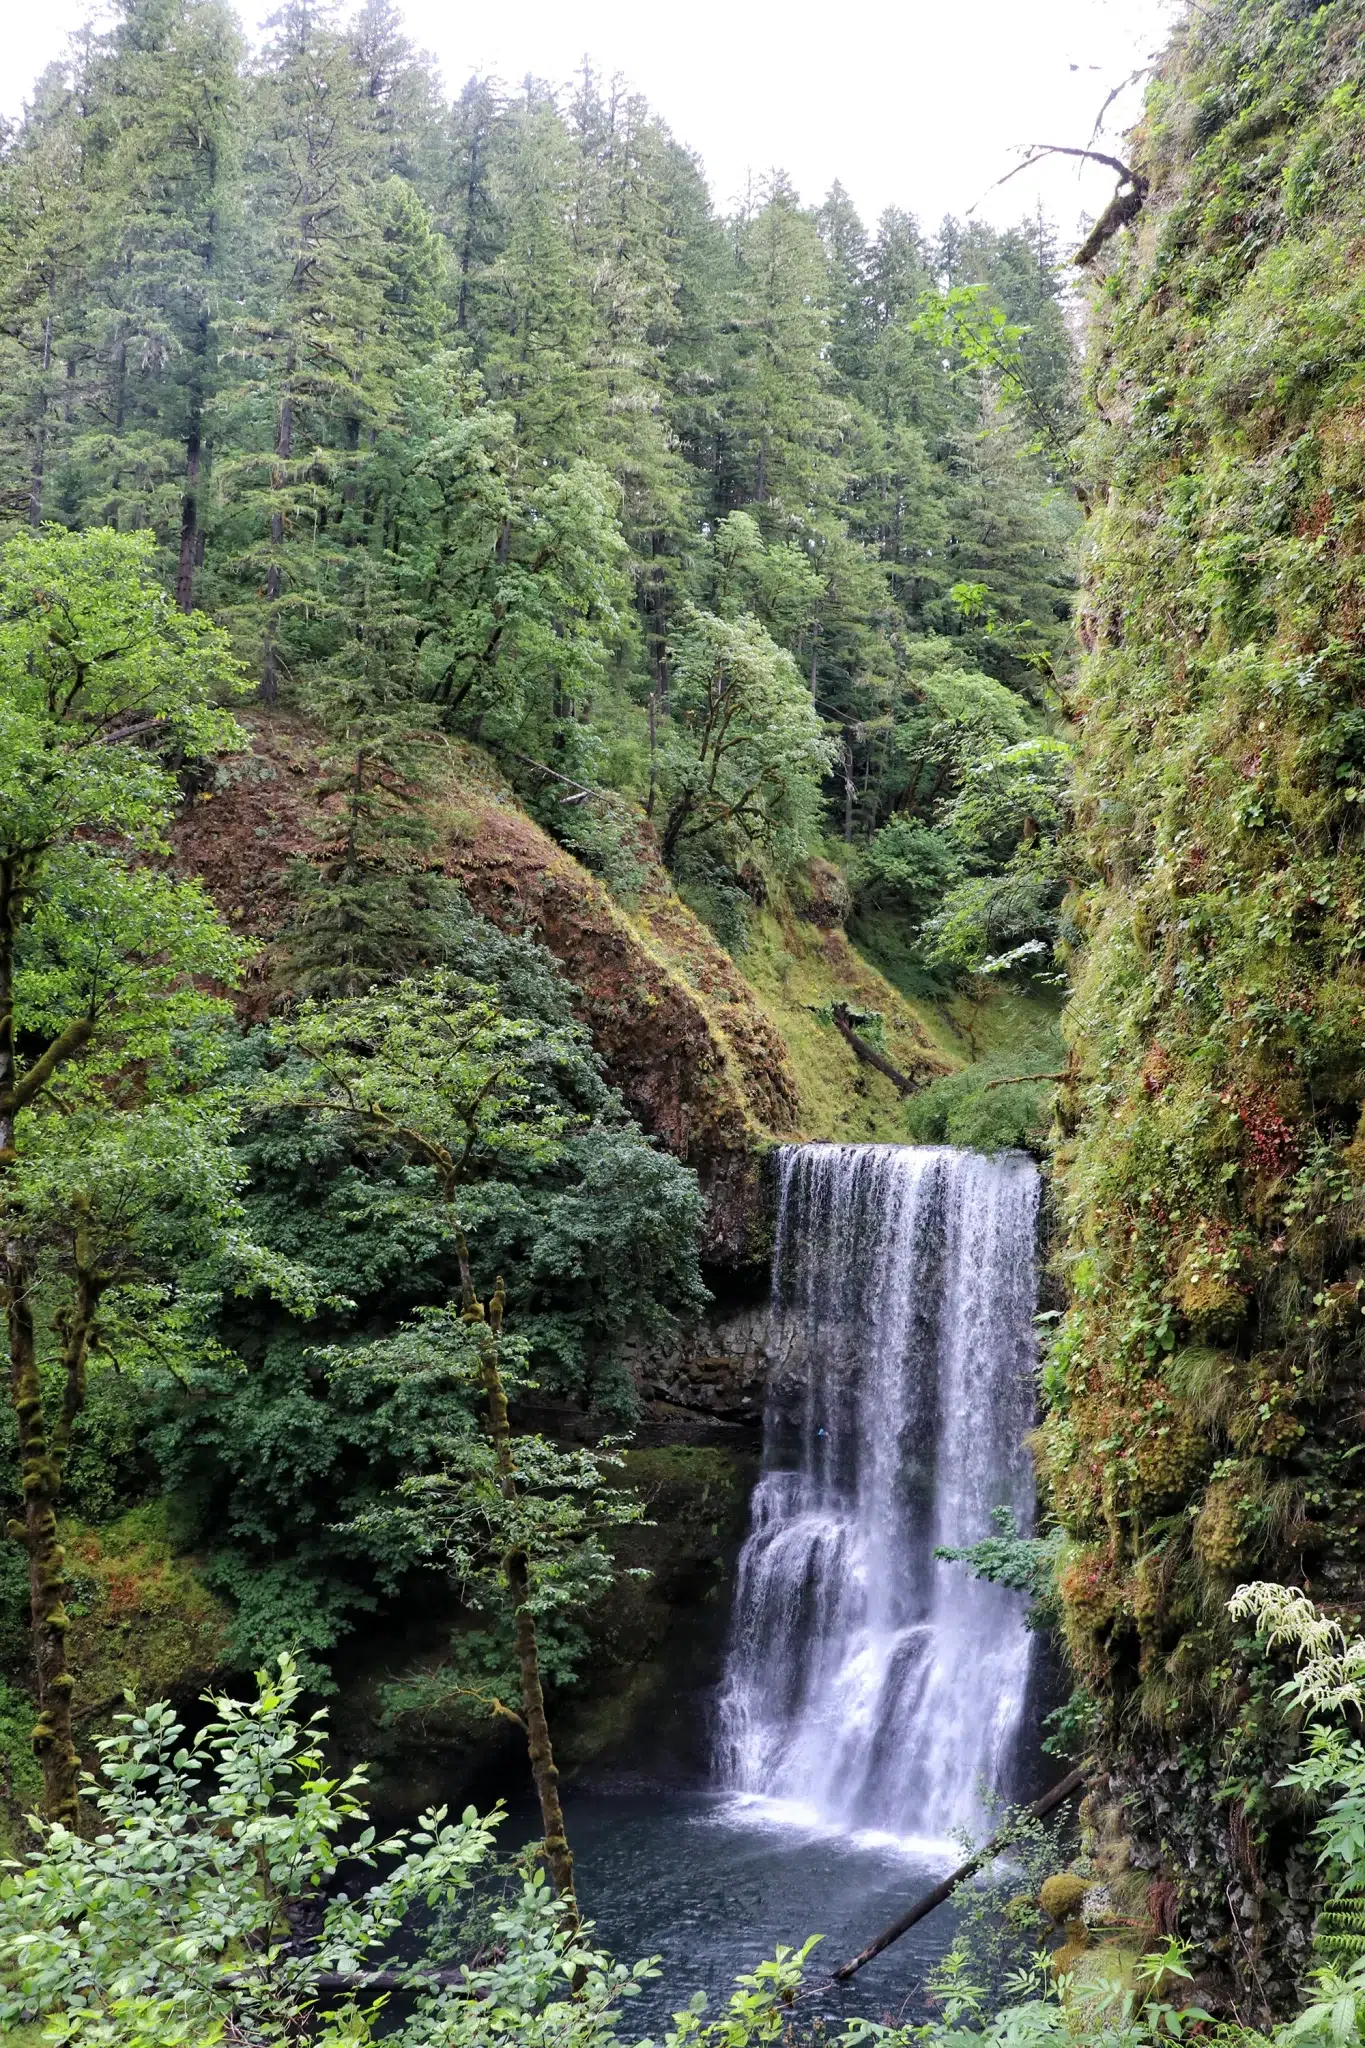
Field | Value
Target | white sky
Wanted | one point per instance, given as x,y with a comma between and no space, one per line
914,103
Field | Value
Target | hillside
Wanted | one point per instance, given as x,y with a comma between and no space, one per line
718,1058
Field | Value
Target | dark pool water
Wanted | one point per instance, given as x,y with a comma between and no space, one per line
711,1886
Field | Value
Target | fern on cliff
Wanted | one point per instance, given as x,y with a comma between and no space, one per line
1327,1684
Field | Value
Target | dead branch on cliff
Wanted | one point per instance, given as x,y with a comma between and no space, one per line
1123,208
1018,1080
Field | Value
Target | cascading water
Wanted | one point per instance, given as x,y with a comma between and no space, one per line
866,1683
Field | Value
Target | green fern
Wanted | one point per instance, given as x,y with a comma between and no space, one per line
1339,1935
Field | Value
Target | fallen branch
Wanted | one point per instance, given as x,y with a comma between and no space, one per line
1018,1080
869,1053
1094,156
418,1978
1039,1810
1122,208
387,1980
584,789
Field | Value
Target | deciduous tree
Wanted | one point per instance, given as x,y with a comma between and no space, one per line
102,1015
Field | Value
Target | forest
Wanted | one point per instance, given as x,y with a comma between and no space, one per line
536,712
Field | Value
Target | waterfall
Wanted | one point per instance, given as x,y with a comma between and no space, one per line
866,1683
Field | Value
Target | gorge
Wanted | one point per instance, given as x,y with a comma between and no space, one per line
611,803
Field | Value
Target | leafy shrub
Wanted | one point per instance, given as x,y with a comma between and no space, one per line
709,886
141,1614
602,830
908,866
174,1927
964,1109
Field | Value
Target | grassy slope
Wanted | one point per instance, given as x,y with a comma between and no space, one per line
796,970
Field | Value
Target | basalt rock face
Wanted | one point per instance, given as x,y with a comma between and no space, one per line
1205,1411
721,1372
657,1647
695,1057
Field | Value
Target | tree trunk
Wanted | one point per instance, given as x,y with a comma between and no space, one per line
1073,1783
42,1453
677,818
467,239
516,1571
40,1470
274,580
868,1053
189,525
544,1770
35,476
656,625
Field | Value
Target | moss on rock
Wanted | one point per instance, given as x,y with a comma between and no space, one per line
1204,1412
141,1618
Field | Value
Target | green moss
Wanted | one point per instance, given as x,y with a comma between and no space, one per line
797,970
141,1618
696,1499
1203,1393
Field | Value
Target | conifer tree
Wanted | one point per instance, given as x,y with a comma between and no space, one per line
782,422
165,191
44,295
308,382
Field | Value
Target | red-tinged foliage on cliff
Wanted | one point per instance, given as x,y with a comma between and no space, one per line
1204,1419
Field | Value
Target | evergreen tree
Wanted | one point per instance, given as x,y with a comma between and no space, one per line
164,107
459,415
44,295
308,384
781,422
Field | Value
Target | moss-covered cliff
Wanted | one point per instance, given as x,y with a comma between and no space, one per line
1205,1419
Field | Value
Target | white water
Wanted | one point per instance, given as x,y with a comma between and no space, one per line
869,1687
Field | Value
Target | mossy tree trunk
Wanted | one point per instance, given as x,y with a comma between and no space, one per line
516,1564
42,1447
516,1568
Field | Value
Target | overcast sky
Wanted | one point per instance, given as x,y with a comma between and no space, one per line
914,103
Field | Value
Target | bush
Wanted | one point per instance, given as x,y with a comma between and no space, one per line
964,1109
906,866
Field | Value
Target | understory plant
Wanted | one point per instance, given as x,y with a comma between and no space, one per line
235,1892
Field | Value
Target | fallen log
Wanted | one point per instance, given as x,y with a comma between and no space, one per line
868,1053
1050,1801
1018,1080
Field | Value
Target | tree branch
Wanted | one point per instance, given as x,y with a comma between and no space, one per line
1018,1080
1058,1796
63,1047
